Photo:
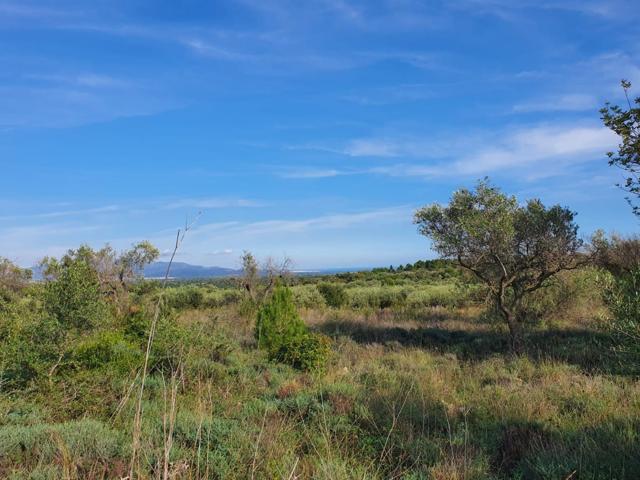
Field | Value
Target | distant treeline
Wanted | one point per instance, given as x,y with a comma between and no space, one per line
436,264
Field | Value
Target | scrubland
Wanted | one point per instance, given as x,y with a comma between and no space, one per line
419,384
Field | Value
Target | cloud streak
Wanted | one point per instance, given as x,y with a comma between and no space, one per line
532,152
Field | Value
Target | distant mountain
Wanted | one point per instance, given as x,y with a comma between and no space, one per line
184,271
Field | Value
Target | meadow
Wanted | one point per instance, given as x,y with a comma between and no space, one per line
418,383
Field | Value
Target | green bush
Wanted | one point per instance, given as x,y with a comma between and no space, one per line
334,294
184,296
623,299
107,349
278,321
221,297
307,296
309,352
30,342
377,297
74,298
282,333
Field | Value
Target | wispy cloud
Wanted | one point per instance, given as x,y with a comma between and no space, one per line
65,213
372,148
505,8
545,147
531,152
570,102
214,203
313,173
324,222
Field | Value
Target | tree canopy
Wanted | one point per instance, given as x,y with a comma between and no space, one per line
514,249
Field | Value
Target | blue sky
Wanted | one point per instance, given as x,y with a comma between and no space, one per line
308,129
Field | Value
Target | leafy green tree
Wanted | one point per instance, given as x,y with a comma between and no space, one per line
515,250
626,124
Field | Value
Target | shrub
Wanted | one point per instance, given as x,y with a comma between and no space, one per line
623,299
188,296
107,349
309,352
74,298
334,294
308,296
377,297
31,341
218,297
278,321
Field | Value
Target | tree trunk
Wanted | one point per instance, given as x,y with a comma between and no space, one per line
515,331
516,340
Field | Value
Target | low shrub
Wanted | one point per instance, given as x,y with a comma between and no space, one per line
377,297
221,297
186,296
309,352
308,296
107,349
334,294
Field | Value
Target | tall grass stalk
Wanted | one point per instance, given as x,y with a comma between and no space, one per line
137,422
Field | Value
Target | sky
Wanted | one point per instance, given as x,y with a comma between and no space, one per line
311,130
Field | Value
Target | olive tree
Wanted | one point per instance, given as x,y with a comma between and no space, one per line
514,249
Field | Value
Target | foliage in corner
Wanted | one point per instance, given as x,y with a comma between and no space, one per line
623,299
626,124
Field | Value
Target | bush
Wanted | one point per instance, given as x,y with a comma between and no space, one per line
187,296
31,342
278,321
377,297
107,349
282,333
623,299
74,298
308,296
334,294
219,297
309,352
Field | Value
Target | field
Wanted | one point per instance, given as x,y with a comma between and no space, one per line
419,384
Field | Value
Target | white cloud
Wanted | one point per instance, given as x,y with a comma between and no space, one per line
533,152
569,102
244,231
371,148
313,173
540,147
